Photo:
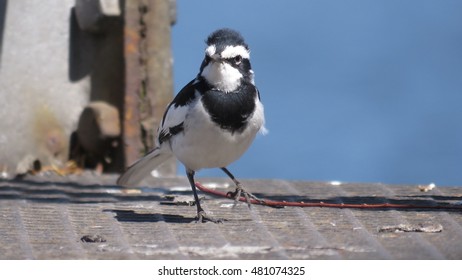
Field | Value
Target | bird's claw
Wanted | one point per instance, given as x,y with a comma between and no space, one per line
202,217
248,197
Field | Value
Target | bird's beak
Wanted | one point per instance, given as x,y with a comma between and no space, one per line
217,58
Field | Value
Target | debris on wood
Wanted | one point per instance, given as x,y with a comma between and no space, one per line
428,228
92,238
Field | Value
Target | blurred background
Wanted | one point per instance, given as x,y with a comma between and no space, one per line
362,91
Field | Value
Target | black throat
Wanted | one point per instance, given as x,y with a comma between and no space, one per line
230,110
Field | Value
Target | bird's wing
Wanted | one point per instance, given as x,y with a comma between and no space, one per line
172,123
174,116
140,169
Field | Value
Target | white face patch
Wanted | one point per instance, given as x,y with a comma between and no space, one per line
210,50
222,76
233,51
228,52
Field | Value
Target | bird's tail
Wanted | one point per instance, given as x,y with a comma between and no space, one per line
140,169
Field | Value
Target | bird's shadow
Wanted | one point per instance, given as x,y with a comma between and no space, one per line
132,216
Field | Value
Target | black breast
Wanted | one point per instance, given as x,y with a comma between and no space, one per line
230,110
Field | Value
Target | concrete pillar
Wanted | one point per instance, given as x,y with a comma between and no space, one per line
40,103
82,79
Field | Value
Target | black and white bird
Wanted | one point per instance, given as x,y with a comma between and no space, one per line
212,121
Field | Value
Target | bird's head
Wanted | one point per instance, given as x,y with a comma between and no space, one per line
226,64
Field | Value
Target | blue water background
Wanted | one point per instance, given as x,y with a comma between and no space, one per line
356,91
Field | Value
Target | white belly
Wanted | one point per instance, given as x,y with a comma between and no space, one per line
203,144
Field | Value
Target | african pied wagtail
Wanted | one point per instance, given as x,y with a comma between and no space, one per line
212,120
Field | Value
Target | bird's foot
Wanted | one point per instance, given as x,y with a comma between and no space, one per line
248,196
202,217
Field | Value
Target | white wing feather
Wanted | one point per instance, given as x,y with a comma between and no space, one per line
142,168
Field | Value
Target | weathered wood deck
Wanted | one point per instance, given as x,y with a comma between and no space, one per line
47,217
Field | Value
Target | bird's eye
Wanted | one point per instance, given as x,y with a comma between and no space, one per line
238,59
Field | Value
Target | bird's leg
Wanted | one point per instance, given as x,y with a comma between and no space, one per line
202,217
240,190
